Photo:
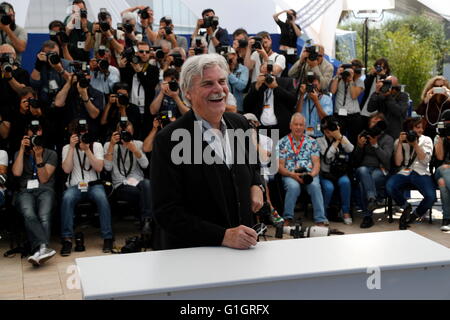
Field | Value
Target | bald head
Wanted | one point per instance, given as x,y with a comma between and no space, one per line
394,81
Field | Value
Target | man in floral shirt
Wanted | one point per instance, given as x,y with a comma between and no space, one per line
298,152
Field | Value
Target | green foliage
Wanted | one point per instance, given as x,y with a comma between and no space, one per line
415,47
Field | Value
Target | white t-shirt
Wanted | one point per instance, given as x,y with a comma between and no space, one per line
421,167
76,176
3,158
277,59
268,117
266,144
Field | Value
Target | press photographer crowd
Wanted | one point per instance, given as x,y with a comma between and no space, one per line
92,124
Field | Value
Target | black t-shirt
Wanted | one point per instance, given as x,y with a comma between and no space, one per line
134,116
5,113
288,36
8,95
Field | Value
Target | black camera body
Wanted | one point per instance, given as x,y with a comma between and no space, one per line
269,79
83,14
310,88
177,60
345,75
159,53
258,43
53,58
198,51
125,136
144,13
5,19
125,27
443,129
313,53
412,136
37,141
168,30
104,26
376,131
210,22
164,117
243,44
33,103
378,68
7,62
83,135
387,86
128,54
174,86
123,99
307,178
82,79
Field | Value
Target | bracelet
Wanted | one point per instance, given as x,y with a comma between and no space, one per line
86,100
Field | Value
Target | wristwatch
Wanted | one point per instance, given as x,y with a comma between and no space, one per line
40,165
86,100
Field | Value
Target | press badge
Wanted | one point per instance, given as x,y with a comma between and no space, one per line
405,172
290,52
32,184
53,85
81,45
310,132
343,112
131,182
83,186
266,107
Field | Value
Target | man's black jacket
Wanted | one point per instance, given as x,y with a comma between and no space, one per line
192,208
285,100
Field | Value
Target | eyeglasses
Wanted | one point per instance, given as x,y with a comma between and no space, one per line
144,51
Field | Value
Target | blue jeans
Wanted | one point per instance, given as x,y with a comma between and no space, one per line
444,174
398,183
36,208
141,194
70,199
344,188
371,181
293,190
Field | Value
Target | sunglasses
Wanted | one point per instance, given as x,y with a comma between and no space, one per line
144,51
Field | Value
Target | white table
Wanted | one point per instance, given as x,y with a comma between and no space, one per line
412,267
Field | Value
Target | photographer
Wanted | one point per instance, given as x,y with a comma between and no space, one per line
442,174
215,35
10,32
82,160
392,102
34,166
159,123
238,78
290,32
145,25
335,149
27,110
13,77
314,106
126,160
57,31
105,37
380,71
166,33
299,164
413,152
169,96
435,100
78,99
119,106
142,79
103,74
77,28
312,60
50,72
372,158
347,86
271,99
240,44
3,175
259,51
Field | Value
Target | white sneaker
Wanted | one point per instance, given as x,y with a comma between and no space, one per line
34,259
445,228
45,254
348,221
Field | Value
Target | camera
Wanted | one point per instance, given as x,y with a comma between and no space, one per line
307,178
387,86
269,79
82,79
164,117
209,22
129,54
270,66
174,86
33,103
177,60
224,50
144,13
310,88
82,133
376,131
34,127
258,43
168,30
83,14
378,68
104,26
198,51
330,123
443,129
243,43
53,58
159,54
313,53
123,99
59,37
411,136
299,232
290,17
37,141
103,64
5,19
7,61
125,136
125,27
198,41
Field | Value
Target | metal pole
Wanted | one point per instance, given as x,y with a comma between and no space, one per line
366,44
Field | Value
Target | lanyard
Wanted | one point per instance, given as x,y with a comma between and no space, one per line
123,160
267,95
296,151
310,109
411,157
33,165
82,164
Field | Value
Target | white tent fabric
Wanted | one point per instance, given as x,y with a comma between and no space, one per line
439,6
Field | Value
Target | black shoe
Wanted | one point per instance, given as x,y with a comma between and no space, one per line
66,248
147,227
107,245
366,223
413,218
79,242
404,219
372,205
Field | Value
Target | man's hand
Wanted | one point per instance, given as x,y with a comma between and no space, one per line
297,177
302,90
260,80
74,141
373,140
263,54
337,135
273,85
83,92
42,56
115,138
156,123
362,141
25,143
314,96
402,137
200,22
241,237
130,146
84,147
4,27
112,99
257,198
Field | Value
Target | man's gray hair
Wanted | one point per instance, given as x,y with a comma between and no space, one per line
195,66
297,115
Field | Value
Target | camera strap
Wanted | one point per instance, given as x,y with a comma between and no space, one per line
123,160
326,152
33,165
345,93
267,95
412,157
3,37
310,110
82,164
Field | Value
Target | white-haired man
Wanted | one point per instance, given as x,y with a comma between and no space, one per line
299,164
196,203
